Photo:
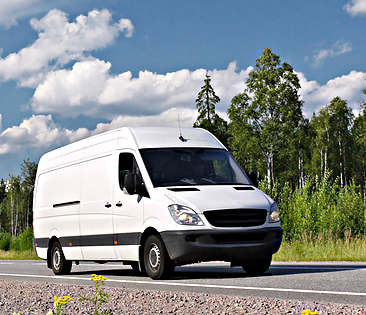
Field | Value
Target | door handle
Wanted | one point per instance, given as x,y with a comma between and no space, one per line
119,204
107,205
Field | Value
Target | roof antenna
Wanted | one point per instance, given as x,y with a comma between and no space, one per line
180,131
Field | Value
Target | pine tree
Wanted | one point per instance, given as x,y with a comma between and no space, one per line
207,117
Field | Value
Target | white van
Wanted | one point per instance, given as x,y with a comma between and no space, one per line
151,198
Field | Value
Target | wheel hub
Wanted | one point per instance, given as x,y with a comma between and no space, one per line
154,256
56,259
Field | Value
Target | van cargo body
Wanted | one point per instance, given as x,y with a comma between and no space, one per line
151,198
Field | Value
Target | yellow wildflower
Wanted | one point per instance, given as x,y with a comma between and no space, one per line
97,278
308,312
50,312
61,300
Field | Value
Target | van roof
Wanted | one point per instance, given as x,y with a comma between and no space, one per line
159,137
133,138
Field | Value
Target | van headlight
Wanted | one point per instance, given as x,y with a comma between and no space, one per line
184,215
274,214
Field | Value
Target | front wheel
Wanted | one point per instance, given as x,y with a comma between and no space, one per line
156,259
59,264
258,266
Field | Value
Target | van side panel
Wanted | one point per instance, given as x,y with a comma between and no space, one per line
57,206
96,208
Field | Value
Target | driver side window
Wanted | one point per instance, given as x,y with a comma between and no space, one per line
127,164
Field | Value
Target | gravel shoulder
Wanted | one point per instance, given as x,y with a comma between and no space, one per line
37,298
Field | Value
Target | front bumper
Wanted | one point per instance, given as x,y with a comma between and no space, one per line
185,247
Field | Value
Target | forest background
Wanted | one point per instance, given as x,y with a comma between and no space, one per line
314,168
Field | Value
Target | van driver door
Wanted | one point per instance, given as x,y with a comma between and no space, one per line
128,209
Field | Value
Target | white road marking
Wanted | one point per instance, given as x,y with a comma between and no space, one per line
193,285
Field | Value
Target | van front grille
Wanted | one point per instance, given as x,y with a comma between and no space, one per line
236,217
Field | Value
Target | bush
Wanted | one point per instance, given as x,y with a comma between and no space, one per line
14,244
23,242
26,239
319,208
5,240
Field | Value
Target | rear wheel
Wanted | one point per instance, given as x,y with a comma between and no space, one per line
258,266
156,259
59,264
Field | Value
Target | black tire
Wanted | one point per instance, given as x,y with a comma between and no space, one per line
59,264
257,267
156,259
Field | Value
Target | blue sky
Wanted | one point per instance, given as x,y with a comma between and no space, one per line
70,69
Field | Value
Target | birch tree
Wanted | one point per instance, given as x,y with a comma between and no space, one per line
269,110
341,118
321,141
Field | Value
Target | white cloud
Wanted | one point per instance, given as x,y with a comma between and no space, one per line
348,87
339,48
12,10
356,7
126,26
89,89
37,132
59,42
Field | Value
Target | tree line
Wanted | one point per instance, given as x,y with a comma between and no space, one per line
269,135
16,200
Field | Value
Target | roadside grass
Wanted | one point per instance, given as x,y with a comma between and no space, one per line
323,249
18,255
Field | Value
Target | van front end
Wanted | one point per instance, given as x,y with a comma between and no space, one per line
237,247
242,236
219,214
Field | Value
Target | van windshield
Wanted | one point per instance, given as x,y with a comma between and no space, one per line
191,167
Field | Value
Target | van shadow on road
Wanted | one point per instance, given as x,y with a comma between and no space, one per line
225,272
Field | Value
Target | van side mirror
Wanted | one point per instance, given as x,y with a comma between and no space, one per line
253,176
135,185
130,183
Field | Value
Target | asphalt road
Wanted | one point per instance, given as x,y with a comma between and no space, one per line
320,282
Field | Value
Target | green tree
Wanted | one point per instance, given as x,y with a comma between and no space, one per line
321,142
359,157
15,203
341,119
207,117
300,153
2,190
28,173
268,112
3,218
333,140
